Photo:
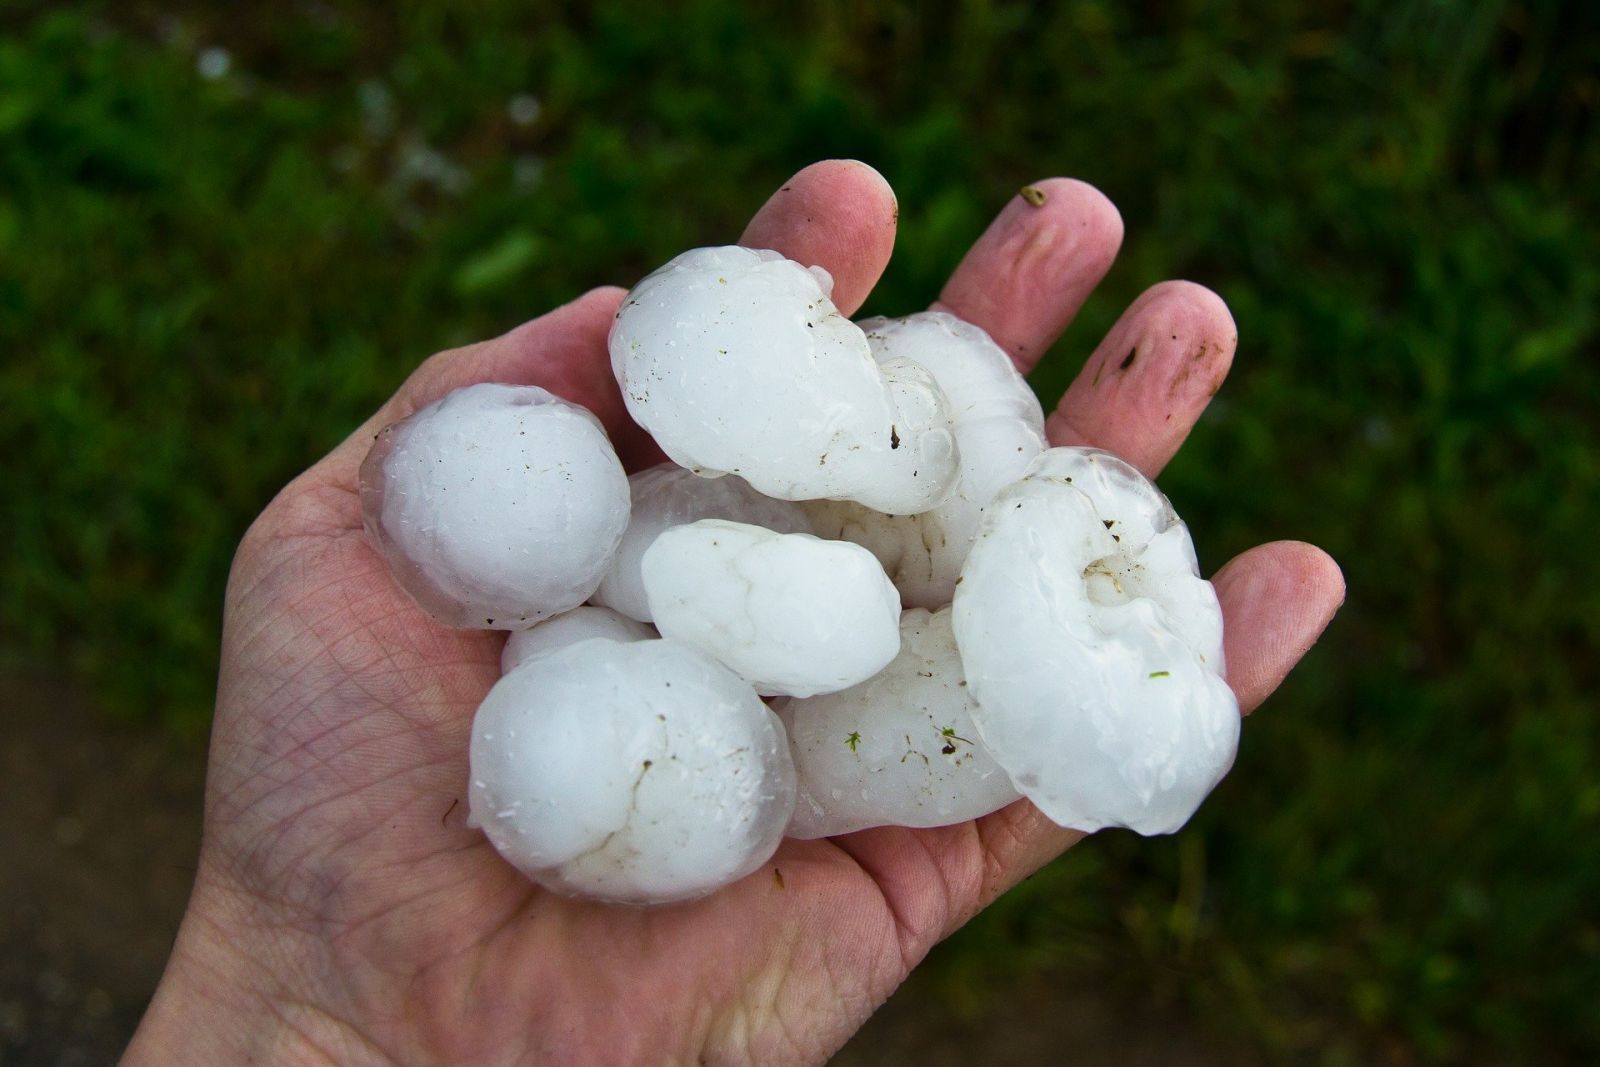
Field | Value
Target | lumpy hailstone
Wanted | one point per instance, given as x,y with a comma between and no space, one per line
998,427
900,749
736,361
568,628
667,495
1094,648
792,614
640,772
496,506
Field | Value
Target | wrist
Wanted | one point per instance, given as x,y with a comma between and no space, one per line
222,1001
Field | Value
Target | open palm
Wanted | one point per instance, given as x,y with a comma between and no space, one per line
344,911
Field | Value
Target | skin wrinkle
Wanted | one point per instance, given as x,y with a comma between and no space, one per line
754,1011
299,1018
919,918
300,749
956,881
884,973
326,665
242,566
797,1037
285,726
309,763
294,635
879,980
460,997
375,931
275,955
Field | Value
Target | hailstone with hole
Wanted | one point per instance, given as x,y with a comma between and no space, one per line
1094,648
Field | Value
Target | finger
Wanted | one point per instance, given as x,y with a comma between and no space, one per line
1277,599
1144,387
839,215
1032,269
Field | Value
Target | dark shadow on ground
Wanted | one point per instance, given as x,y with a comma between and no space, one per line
98,839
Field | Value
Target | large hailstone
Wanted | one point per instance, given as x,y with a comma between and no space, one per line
736,361
1094,648
568,628
668,495
497,506
900,749
792,614
999,429
639,772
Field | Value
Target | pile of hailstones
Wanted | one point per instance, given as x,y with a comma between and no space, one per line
863,593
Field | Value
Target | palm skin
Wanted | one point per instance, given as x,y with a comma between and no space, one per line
343,910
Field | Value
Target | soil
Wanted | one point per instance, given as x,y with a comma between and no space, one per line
99,828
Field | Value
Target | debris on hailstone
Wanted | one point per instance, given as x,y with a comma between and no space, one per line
1094,648
792,614
900,748
497,506
667,495
580,624
736,361
639,772
998,427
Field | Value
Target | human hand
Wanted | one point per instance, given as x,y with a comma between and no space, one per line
344,912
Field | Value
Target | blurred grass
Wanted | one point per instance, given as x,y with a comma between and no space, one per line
226,233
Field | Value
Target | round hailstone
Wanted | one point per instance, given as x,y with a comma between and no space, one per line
792,614
999,429
568,628
1094,648
497,506
900,749
668,495
637,772
736,361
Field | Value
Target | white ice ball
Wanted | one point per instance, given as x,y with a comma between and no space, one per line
568,628
1094,648
736,361
900,749
668,495
641,772
497,506
999,429
792,614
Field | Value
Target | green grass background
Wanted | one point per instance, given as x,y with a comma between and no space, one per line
214,263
